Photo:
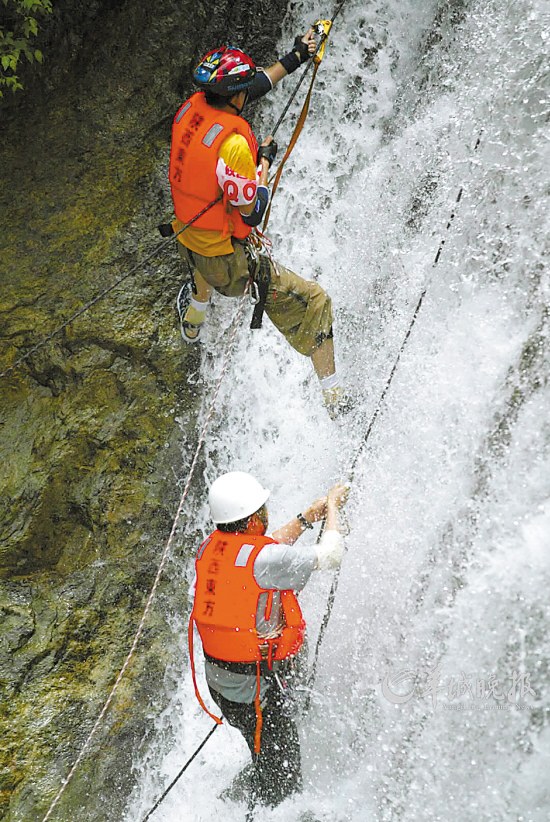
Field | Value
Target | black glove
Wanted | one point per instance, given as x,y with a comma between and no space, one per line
302,49
269,152
291,61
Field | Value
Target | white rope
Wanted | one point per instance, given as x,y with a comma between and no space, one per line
165,554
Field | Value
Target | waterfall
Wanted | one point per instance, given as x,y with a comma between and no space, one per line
431,700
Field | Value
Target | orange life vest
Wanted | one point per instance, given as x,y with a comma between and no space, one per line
225,607
198,131
226,602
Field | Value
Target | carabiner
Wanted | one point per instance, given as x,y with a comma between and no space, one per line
254,294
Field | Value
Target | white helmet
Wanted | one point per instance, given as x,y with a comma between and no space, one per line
234,496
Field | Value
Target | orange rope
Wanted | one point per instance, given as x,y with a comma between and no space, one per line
293,140
259,713
216,719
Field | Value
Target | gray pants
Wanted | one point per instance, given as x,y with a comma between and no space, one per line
278,767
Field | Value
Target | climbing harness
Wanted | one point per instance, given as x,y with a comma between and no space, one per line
260,265
351,471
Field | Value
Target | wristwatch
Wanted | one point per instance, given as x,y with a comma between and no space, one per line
303,521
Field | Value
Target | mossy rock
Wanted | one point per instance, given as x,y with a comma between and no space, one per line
89,443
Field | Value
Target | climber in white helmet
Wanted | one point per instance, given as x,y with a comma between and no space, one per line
250,623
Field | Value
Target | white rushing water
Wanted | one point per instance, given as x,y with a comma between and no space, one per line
444,592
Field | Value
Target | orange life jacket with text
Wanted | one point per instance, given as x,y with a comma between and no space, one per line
198,131
225,608
226,602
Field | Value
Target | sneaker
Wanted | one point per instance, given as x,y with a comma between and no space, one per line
337,402
191,320
191,325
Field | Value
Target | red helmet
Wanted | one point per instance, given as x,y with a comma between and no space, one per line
225,71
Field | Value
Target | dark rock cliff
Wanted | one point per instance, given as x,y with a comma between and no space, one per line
90,449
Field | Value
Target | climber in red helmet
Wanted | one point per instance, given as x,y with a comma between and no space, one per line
215,154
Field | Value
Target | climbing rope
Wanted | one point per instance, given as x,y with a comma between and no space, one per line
165,554
317,57
181,772
323,27
293,140
160,248
351,471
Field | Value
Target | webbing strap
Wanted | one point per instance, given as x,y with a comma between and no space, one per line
216,719
293,140
262,278
268,605
259,713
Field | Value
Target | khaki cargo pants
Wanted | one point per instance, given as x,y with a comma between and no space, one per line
300,309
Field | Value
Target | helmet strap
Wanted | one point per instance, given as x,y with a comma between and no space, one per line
235,108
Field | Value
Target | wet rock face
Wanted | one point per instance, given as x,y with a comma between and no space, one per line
90,449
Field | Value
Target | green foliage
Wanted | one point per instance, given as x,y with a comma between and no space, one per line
19,25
